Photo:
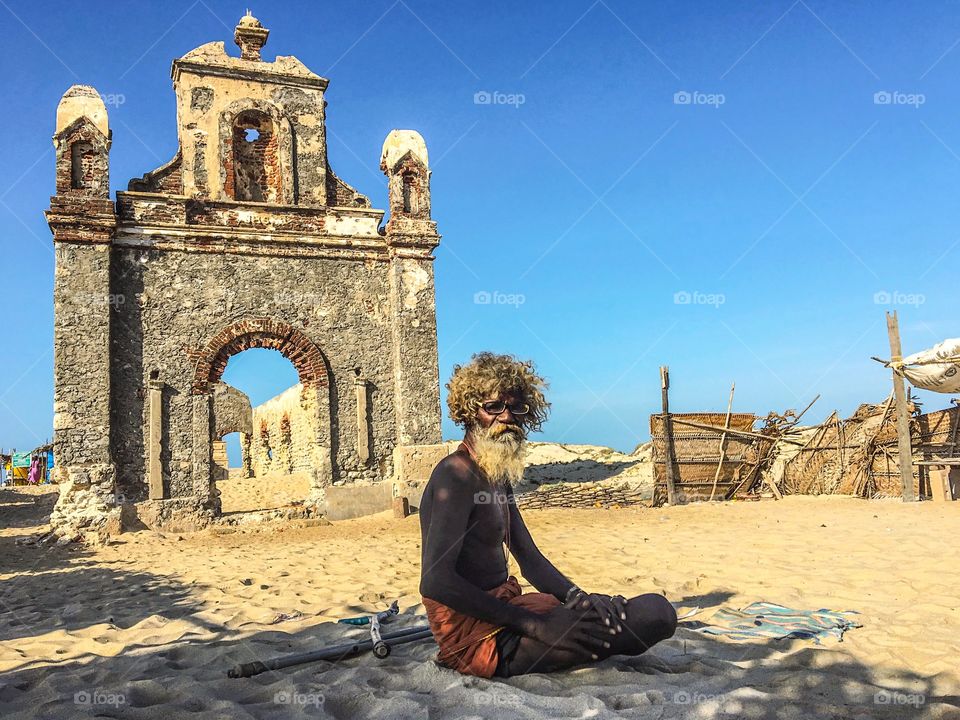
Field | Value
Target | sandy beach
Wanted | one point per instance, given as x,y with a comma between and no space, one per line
148,625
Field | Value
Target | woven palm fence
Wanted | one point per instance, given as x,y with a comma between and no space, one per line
701,469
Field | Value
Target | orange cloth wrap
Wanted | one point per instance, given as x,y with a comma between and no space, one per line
470,645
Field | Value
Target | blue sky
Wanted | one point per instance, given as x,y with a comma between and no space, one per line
595,165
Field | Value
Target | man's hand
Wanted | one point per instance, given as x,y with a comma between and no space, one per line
565,628
610,610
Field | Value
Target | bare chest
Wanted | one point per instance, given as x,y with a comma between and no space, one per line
490,518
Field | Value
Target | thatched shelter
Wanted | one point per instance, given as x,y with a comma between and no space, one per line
859,455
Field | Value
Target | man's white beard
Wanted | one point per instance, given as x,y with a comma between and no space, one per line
499,456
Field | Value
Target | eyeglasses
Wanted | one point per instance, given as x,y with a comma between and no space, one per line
496,407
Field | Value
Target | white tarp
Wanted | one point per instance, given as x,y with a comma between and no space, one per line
936,369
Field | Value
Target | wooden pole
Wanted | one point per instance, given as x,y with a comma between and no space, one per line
723,442
734,431
667,436
796,420
903,416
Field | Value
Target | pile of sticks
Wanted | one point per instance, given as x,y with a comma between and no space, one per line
860,455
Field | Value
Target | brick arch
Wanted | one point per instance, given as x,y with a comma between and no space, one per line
267,333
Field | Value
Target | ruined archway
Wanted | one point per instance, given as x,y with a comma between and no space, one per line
232,415
314,398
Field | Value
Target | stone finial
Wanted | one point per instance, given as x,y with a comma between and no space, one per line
250,36
82,101
398,144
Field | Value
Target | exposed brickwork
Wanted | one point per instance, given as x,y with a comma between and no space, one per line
268,333
253,166
340,194
166,179
82,161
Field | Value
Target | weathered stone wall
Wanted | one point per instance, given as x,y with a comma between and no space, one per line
414,351
413,465
177,301
232,412
283,433
81,358
81,403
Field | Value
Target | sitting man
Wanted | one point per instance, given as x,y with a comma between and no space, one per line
468,521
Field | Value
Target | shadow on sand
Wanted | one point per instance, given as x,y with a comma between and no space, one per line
22,509
689,676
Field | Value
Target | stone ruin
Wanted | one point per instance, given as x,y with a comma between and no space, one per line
245,239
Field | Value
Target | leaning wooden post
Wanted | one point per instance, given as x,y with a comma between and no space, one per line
903,415
723,442
667,436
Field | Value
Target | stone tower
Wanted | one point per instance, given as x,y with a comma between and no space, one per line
245,238
83,224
